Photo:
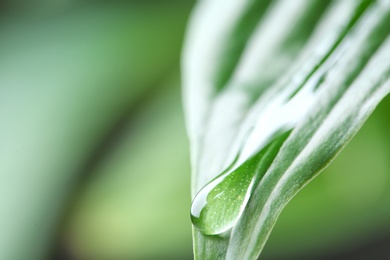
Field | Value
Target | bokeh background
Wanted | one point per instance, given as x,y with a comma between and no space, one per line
94,159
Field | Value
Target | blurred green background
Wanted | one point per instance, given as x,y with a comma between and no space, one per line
94,159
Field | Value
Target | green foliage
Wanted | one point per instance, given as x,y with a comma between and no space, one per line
65,81
315,68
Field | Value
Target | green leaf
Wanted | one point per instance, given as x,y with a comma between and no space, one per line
315,68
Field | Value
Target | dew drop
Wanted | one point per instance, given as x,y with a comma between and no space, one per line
219,205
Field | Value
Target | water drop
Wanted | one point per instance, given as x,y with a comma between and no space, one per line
218,206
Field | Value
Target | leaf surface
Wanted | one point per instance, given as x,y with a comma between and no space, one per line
315,68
